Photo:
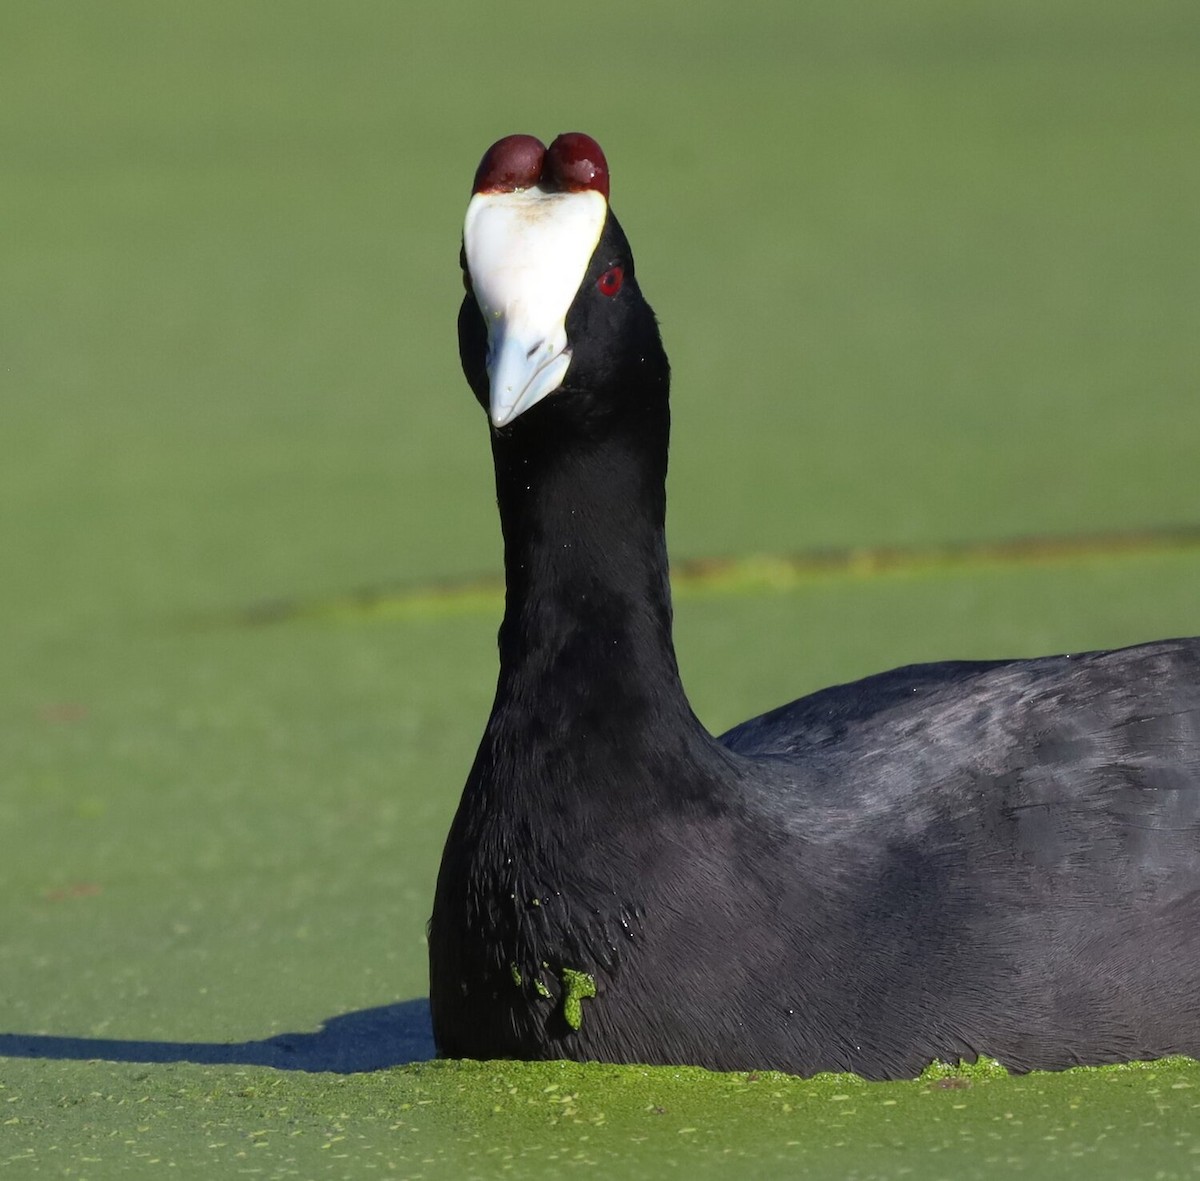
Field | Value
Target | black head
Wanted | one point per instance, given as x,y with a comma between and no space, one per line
553,325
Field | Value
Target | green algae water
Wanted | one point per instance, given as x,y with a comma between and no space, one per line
482,1120
924,277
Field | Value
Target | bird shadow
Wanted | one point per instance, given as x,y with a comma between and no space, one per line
350,1043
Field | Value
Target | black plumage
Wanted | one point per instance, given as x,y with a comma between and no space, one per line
938,862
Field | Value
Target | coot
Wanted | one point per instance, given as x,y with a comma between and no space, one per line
938,862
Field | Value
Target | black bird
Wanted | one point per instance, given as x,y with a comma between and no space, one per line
938,862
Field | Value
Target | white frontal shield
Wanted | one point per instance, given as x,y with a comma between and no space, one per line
527,254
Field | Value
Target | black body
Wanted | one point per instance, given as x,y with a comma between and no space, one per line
934,863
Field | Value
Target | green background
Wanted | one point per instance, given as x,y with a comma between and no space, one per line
927,274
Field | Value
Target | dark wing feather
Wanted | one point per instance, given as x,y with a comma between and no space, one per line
1065,760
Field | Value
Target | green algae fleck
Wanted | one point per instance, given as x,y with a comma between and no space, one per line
982,1068
577,987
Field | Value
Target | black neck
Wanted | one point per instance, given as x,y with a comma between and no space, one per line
586,653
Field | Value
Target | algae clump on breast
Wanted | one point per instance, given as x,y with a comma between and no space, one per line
577,987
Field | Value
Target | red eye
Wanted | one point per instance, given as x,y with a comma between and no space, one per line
610,282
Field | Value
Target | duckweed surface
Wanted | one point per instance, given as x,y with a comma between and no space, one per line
470,1119
923,276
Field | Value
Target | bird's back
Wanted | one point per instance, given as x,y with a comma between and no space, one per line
1012,851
